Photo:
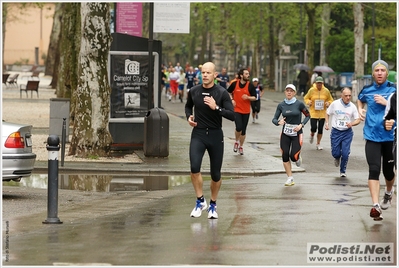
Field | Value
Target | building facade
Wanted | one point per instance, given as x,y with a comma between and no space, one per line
27,33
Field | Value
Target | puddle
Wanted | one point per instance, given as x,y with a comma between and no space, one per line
104,183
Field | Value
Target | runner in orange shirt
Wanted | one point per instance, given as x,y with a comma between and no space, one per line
242,92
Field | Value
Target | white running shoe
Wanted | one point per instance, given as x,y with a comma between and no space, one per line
236,145
318,147
212,214
290,181
386,201
343,175
336,162
199,207
311,139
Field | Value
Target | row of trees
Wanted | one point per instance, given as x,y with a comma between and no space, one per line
330,33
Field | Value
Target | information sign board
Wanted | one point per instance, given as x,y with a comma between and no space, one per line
128,77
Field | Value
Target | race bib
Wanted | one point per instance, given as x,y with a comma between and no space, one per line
289,130
341,122
319,105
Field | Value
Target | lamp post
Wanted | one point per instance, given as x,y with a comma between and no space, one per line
151,68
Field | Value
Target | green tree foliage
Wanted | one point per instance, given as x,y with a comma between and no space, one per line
341,40
386,37
246,31
342,47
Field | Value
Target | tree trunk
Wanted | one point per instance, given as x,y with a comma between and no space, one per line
54,38
91,136
204,41
311,12
256,59
69,44
358,15
5,12
191,51
272,53
325,31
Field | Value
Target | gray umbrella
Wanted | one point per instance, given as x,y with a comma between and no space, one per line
301,66
323,69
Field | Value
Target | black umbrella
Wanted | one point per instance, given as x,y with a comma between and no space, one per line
301,66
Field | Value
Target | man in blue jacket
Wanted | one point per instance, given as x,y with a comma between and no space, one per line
379,142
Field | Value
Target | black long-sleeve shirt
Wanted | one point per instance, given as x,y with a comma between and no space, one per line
391,110
292,113
203,114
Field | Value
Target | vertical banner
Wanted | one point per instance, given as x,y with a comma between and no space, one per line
171,17
129,18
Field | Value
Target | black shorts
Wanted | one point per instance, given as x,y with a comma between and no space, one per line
210,140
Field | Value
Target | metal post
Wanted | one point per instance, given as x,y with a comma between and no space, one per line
53,147
63,141
151,68
36,56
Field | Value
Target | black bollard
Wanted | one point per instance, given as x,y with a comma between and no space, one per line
63,140
53,147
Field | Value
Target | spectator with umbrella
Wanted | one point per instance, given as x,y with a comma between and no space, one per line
319,70
314,75
301,66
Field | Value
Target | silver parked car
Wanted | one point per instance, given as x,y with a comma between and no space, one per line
16,151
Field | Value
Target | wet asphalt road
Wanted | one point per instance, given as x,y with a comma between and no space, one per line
262,223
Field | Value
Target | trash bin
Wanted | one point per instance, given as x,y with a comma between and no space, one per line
59,109
156,133
345,80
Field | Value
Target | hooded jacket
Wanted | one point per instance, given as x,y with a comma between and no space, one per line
319,98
